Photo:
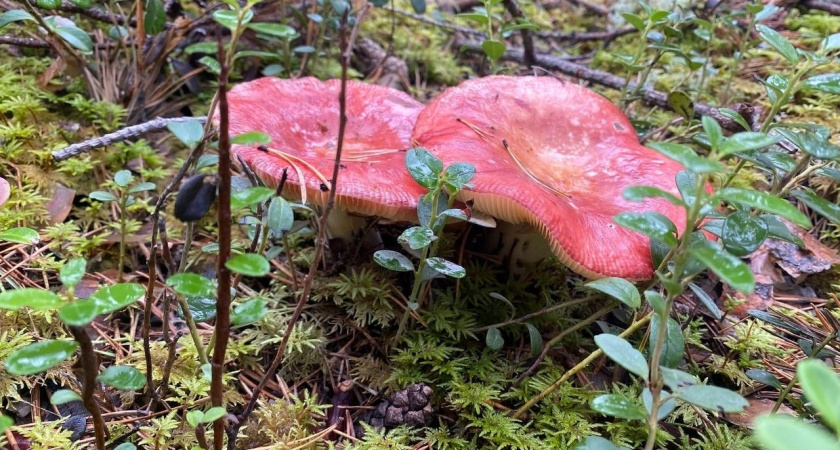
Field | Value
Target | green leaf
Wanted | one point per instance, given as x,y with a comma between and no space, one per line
535,339
189,131
598,443
734,116
122,178
831,42
763,376
195,418
748,140
825,208
14,15
39,356
783,432
423,167
6,422
664,408
35,298
202,309
126,446
634,20
48,4
251,138
84,4
729,268
20,235
192,285
417,237
777,41
494,339
641,193
677,379
103,196
742,233
821,386
651,224
230,19
250,196
681,104
206,161
493,49
765,202
392,260
142,187
76,37
79,313
445,267
713,132
458,174
249,264
154,17
713,398
213,414
706,301
419,6
118,296
63,396
274,29
674,345
125,378
656,301
479,17
618,288
615,405
280,216
829,82
620,351
686,156
249,312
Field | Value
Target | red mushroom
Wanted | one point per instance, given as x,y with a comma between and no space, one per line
301,117
557,156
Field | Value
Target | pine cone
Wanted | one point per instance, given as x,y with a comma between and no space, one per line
410,406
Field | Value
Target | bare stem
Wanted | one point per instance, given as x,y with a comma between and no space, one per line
90,368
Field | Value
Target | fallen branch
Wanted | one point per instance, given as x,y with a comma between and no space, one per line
124,134
831,7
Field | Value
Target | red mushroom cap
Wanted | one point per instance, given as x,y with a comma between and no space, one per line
301,116
557,156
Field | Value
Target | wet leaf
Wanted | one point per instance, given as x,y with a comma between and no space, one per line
651,224
63,396
72,272
765,202
743,234
494,339
280,217
14,15
763,376
392,260
423,167
154,17
821,386
417,237
784,432
493,49
80,312
189,131
829,82
445,267
249,264
118,296
777,41
615,405
37,299
20,235
123,377
192,285
729,268
39,356
250,196
825,208
249,312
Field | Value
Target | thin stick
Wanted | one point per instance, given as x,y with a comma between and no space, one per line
222,328
124,134
90,369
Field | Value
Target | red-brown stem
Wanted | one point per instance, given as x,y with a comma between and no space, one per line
346,51
147,319
222,330
90,368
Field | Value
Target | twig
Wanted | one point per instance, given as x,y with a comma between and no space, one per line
24,42
124,134
346,40
90,369
528,55
147,317
829,7
222,327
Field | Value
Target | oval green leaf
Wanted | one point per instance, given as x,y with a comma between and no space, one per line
825,208
80,312
249,264
494,339
72,272
63,396
39,356
20,235
125,378
392,260
189,131
37,299
445,267
619,406
783,432
674,345
118,296
713,398
249,312
250,196
423,167
618,288
417,237
620,351
821,386
765,202
777,41
742,233
729,268
192,285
